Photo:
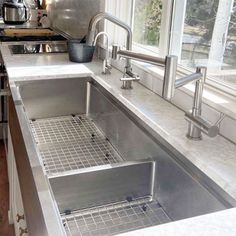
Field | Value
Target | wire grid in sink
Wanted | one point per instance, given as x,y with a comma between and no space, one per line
70,143
115,219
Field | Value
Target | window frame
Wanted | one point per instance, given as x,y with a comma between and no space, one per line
170,40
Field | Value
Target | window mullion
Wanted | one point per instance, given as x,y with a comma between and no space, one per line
165,27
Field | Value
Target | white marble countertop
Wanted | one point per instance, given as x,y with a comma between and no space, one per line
214,157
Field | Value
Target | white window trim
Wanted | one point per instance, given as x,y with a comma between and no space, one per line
170,40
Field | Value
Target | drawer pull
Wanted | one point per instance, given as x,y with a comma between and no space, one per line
19,217
23,231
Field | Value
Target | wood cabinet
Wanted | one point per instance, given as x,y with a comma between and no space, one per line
16,213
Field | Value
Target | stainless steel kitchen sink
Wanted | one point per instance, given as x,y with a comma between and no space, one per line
108,171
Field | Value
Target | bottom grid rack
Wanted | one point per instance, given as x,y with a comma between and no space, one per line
74,142
71,143
115,219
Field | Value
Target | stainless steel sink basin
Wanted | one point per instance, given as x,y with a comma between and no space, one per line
108,171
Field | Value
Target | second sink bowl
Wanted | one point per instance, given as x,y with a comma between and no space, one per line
103,185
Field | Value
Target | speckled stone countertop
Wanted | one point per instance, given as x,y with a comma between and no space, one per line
214,157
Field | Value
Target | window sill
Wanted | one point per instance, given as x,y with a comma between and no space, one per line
223,103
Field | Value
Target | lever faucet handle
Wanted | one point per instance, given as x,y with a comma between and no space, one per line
127,81
106,67
133,76
222,116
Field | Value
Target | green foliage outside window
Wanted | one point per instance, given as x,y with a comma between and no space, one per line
147,21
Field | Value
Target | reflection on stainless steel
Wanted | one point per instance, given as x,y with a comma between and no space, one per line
38,48
197,124
15,12
87,189
72,16
103,185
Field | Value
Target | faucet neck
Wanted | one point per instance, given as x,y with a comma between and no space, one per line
104,15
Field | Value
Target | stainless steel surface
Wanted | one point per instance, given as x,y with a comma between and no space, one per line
180,189
115,218
203,125
169,77
142,57
73,16
106,69
15,13
103,185
71,143
187,79
194,132
170,64
92,32
127,81
115,50
40,211
197,124
39,48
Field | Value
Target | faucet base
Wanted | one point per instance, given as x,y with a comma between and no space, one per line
194,138
194,133
127,85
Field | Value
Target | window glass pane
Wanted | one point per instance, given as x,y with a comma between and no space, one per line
147,22
209,38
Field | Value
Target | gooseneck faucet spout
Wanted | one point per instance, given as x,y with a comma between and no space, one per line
92,32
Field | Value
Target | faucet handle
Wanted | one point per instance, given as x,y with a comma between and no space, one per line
106,67
132,75
203,125
222,116
127,81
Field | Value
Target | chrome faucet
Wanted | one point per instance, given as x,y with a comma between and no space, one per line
170,63
197,124
92,32
106,69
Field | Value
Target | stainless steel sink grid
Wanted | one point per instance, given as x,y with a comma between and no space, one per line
107,170
115,218
72,142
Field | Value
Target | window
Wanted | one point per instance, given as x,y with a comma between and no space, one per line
209,39
150,31
199,32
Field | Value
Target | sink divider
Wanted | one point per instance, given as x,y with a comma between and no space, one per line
103,185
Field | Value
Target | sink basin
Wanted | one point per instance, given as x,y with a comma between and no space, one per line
108,172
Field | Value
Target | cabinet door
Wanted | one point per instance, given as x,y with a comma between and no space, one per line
16,204
19,215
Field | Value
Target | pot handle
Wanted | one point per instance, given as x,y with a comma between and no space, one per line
27,13
3,12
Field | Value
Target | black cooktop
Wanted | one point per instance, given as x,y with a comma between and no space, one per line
37,48
31,38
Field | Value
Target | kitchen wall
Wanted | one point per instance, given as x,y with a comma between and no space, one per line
73,16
